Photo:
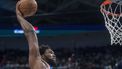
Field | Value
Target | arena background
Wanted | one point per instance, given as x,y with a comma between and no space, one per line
73,28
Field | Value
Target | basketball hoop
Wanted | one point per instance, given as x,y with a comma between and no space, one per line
112,13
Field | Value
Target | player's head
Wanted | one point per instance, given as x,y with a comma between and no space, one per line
48,54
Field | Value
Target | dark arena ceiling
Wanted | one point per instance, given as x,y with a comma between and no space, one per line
55,12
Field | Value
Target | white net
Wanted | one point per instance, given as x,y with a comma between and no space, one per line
113,21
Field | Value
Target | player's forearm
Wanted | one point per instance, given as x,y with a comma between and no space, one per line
26,26
30,35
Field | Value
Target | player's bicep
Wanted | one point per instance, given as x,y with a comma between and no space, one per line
32,60
33,43
33,46
33,50
33,55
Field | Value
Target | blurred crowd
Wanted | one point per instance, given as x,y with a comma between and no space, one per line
103,57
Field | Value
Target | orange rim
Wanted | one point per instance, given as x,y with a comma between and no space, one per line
108,2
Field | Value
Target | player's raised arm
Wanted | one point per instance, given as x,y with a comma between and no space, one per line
37,59
30,35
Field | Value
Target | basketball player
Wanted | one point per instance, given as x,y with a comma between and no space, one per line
38,59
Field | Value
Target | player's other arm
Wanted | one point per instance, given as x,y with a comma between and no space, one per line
31,38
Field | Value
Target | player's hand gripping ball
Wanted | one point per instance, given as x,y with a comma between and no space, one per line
27,7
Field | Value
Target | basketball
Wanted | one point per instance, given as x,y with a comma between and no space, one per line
27,7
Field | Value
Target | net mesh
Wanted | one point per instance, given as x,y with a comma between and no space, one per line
113,21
